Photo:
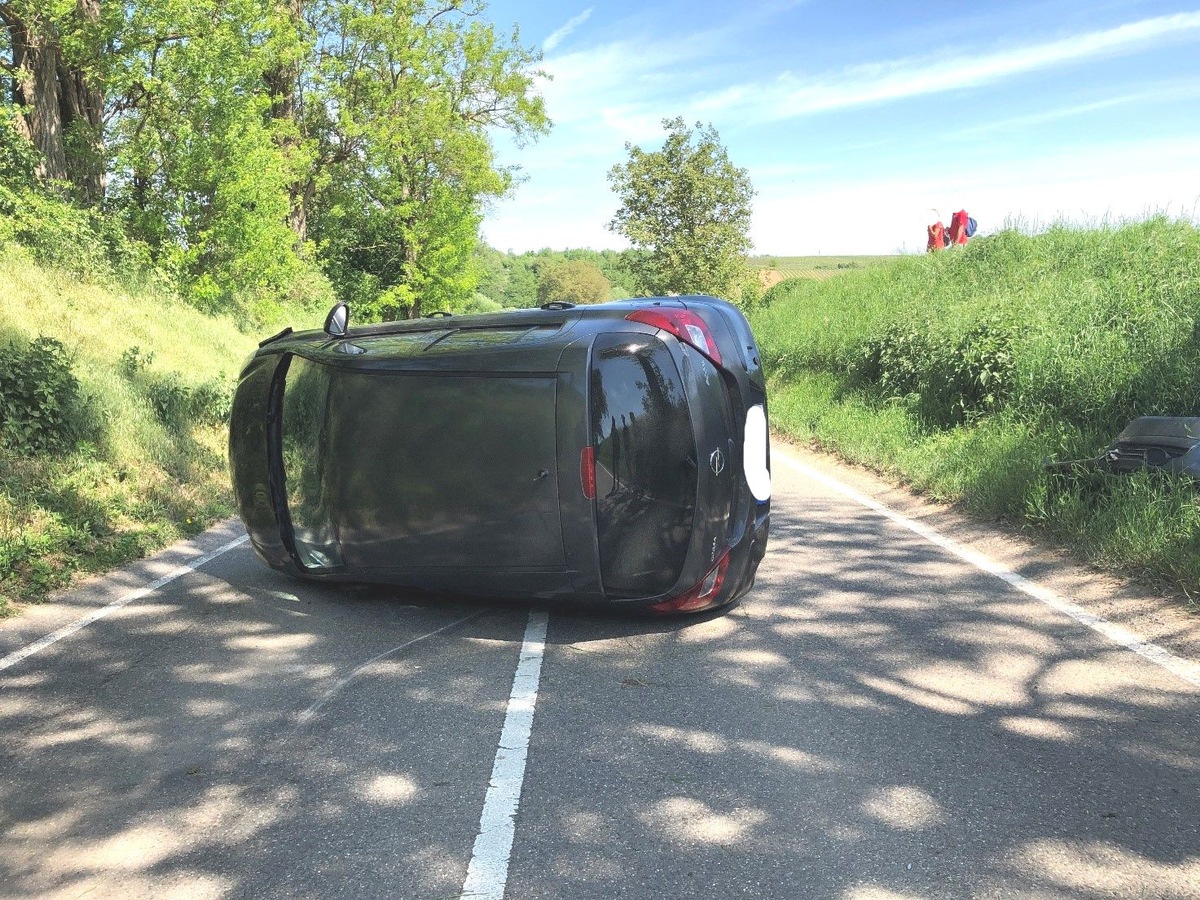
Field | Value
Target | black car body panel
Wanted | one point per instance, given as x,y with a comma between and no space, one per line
566,454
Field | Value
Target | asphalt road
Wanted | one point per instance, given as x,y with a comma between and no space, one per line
878,719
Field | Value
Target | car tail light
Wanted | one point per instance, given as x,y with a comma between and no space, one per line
702,595
587,472
684,324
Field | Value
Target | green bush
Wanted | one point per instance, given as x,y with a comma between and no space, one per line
179,405
134,360
949,379
41,409
212,401
83,242
170,398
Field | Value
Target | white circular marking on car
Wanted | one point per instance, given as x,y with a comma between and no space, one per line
754,453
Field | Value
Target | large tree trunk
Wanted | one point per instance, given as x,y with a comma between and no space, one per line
283,86
58,99
82,106
35,58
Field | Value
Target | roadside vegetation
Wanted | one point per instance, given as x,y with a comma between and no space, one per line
959,373
113,403
177,180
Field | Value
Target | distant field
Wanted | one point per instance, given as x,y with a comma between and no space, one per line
774,269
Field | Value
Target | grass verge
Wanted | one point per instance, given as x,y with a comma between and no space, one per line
959,373
138,458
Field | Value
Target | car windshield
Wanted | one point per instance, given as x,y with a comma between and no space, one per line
645,453
305,398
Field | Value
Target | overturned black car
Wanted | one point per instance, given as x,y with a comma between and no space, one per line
615,453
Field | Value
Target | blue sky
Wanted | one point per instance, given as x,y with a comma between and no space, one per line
857,120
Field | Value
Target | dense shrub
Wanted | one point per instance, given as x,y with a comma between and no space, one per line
82,241
949,379
40,404
177,404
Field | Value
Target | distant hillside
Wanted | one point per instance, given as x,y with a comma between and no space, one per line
774,269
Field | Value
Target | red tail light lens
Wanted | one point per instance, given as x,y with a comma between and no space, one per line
587,472
702,595
684,324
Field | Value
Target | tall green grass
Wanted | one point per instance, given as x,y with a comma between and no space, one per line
960,372
142,461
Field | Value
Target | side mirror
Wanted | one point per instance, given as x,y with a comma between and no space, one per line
338,320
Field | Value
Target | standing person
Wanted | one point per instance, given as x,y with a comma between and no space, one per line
958,228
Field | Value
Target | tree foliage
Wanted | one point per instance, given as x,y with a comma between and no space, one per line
512,279
246,142
573,281
688,207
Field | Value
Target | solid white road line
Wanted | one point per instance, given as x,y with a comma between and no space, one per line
1182,668
307,715
487,873
27,651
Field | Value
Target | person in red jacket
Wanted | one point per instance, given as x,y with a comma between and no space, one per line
958,228
937,237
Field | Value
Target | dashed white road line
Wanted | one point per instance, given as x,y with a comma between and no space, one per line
1176,665
96,615
487,873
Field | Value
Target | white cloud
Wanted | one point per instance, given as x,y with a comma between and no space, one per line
624,88
790,95
557,37
1168,92
602,96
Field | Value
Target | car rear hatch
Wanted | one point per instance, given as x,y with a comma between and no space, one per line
660,427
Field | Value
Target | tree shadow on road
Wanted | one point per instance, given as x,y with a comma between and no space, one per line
870,723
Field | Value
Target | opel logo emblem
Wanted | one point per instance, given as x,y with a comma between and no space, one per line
716,462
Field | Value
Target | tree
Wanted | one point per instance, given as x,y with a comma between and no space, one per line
54,50
688,207
410,91
243,141
573,281
199,171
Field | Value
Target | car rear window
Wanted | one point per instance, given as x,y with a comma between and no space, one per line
645,453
